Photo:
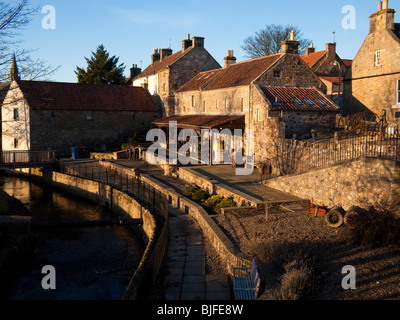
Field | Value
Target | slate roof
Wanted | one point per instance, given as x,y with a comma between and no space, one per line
203,121
88,97
297,99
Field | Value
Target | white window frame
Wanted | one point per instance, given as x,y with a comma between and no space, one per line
277,74
378,58
244,104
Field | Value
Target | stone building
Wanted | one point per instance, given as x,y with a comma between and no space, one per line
372,83
168,71
276,96
330,68
39,116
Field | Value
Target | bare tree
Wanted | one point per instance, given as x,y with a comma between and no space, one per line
268,40
13,20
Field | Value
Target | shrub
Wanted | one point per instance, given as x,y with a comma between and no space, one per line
214,200
224,203
195,192
295,282
374,228
200,194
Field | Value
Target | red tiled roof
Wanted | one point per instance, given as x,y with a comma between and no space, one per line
334,80
203,121
312,58
90,97
297,99
242,73
200,80
160,65
347,62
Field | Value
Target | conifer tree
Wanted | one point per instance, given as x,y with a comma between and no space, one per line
101,69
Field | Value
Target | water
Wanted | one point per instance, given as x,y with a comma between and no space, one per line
93,263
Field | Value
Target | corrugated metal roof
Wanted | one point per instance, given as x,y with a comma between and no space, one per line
73,96
297,99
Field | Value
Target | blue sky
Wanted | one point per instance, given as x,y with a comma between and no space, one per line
131,30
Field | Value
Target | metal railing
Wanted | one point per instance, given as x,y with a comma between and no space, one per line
27,158
130,184
301,156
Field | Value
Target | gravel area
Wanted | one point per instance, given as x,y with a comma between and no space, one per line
327,250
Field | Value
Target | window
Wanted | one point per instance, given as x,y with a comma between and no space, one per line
243,104
193,101
322,102
16,114
277,74
378,58
204,106
398,92
217,104
15,143
226,103
300,104
89,116
258,115
310,102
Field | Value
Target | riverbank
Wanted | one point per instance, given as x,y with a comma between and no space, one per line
15,237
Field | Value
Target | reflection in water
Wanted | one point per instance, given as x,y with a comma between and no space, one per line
91,263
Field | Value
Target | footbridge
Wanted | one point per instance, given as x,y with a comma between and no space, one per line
27,159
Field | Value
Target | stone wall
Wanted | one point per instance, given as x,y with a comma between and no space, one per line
65,129
364,182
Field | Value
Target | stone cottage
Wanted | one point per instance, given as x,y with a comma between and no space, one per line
39,116
276,96
330,68
372,83
168,71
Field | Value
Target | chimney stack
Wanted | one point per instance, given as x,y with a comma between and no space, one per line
331,48
155,56
310,50
229,59
187,43
290,46
198,42
135,71
383,18
165,53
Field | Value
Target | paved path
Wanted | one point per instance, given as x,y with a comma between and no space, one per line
185,260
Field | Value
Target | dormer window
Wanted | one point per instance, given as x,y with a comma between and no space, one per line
378,58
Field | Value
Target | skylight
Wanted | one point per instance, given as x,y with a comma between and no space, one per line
310,102
321,102
299,102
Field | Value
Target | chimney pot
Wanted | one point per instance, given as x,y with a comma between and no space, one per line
385,4
379,5
229,59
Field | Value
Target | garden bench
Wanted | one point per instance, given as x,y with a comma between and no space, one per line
246,282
